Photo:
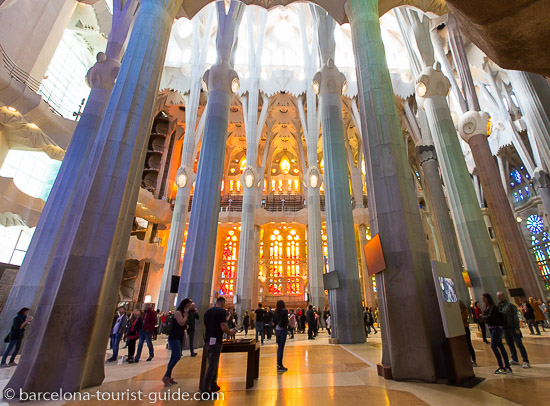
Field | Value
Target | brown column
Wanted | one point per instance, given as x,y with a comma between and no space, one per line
473,128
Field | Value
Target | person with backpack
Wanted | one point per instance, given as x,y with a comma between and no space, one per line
371,321
495,320
192,317
134,327
280,318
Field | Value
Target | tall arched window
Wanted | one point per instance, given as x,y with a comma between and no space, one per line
540,244
520,185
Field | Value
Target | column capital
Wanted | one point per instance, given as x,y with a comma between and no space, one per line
250,178
185,176
431,83
104,73
329,80
221,77
473,123
426,152
541,179
313,177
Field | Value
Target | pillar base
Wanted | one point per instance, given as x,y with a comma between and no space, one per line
384,371
333,340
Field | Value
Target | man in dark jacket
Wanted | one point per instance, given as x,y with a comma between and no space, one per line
117,332
146,333
192,317
310,316
512,333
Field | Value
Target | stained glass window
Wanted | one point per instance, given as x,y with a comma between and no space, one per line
534,224
285,264
229,264
541,250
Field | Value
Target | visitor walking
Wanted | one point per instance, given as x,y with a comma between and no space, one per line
495,320
310,316
175,339
329,325
539,315
117,332
291,324
192,317
280,319
464,314
512,333
529,314
246,322
215,325
371,321
260,313
146,333
15,336
135,326
480,322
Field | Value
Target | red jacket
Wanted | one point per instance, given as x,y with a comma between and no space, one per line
149,320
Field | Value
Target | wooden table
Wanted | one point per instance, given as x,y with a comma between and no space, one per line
251,347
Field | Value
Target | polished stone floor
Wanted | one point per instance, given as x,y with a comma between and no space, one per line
323,374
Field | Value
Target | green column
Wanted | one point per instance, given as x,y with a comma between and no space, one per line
412,346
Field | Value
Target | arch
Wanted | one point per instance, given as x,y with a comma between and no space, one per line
334,7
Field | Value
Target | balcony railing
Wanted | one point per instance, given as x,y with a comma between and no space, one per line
18,74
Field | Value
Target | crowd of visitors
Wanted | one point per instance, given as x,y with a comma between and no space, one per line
501,319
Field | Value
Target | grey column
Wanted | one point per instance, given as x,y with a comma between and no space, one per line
438,205
200,248
412,347
541,180
345,301
481,263
533,95
101,78
86,269
314,243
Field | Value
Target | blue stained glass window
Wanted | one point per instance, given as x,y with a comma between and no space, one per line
534,224
527,191
516,176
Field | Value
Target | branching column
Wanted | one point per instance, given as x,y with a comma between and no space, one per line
86,270
101,78
345,301
513,246
200,248
412,347
431,92
473,129
442,219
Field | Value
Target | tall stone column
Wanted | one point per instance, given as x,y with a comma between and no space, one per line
200,248
101,78
438,205
511,242
312,177
185,175
533,95
412,348
247,241
473,130
541,180
345,301
86,269
431,92
313,180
